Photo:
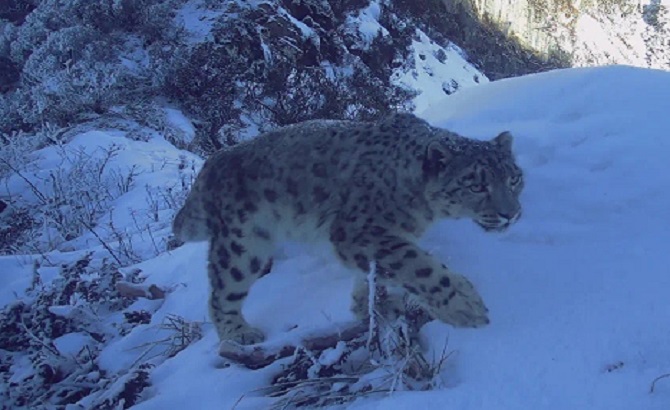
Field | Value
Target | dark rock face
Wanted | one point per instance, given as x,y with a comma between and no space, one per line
252,66
489,49
289,61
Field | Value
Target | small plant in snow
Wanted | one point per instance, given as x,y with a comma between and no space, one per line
379,357
350,370
14,231
178,333
52,337
81,190
652,388
72,197
182,333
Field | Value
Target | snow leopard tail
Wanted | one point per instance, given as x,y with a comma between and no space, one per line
189,224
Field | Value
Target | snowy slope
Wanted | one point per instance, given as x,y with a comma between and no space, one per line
578,289
436,71
580,285
125,184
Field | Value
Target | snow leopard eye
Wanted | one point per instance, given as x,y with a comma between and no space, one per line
477,188
514,180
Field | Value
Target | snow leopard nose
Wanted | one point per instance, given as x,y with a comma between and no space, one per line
510,218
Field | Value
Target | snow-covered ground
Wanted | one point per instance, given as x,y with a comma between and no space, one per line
437,71
578,289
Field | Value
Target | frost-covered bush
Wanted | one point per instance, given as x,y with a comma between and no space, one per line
78,58
148,18
262,65
14,231
51,339
272,68
204,81
74,71
379,357
70,199
143,17
295,94
10,114
16,10
35,30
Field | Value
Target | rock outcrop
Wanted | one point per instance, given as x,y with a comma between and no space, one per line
581,32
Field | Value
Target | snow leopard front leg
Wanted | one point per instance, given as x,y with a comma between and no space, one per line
450,297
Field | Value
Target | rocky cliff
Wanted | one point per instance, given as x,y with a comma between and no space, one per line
581,32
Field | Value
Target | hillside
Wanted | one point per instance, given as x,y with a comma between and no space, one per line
234,67
584,33
577,288
109,108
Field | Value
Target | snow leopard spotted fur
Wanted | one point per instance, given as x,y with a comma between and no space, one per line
370,188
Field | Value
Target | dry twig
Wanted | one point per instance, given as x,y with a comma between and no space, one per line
653,383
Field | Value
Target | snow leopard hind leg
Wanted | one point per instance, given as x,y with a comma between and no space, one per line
235,263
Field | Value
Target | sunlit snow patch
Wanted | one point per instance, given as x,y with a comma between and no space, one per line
436,72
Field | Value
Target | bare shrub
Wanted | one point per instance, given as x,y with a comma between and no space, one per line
380,357
179,333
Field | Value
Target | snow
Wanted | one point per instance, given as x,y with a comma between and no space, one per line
365,25
178,120
305,30
197,20
71,343
437,71
62,310
208,385
577,289
155,164
21,370
332,355
578,286
15,276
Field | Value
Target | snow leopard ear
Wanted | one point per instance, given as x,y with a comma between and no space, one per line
504,141
436,159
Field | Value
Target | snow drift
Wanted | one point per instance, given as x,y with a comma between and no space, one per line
578,289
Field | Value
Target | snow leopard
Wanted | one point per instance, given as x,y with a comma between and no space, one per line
370,189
